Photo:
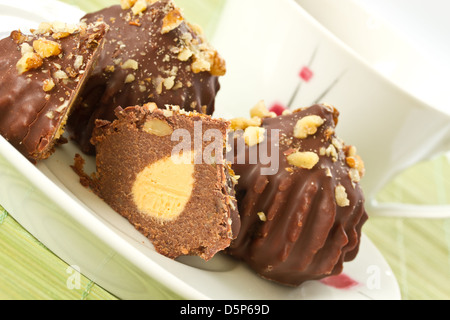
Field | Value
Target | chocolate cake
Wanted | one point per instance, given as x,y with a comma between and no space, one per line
152,54
163,169
41,75
302,211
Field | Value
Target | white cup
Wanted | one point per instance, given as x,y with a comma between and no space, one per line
277,52
397,43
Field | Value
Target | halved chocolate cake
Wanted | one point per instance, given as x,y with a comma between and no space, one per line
163,169
152,54
299,198
41,75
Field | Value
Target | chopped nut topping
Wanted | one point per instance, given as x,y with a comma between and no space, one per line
58,26
18,37
127,4
328,133
169,83
305,160
46,48
60,75
151,106
337,143
71,72
130,78
157,127
307,126
354,175
355,162
218,67
60,35
50,115
331,152
130,64
200,65
260,110
29,61
172,20
78,62
341,196
244,123
350,151
44,27
48,85
254,135
139,7
185,54
110,68
262,216
25,48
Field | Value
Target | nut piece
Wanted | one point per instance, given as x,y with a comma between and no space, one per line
151,107
354,175
307,126
28,61
60,35
130,78
169,82
332,152
78,62
139,7
48,85
172,20
25,48
157,127
254,135
341,196
185,54
200,64
130,64
218,67
305,160
262,216
46,48
260,110
18,37
353,160
127,4
163,188
244,123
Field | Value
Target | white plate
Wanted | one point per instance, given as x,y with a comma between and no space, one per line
49,202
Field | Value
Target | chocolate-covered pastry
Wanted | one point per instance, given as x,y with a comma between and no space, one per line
162,171
302,211
151,55
40,77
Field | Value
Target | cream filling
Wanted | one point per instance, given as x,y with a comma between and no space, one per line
162,189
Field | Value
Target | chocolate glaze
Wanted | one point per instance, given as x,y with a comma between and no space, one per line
140,38
32,119
306,235
210,219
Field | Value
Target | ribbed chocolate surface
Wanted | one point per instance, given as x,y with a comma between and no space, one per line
306,235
